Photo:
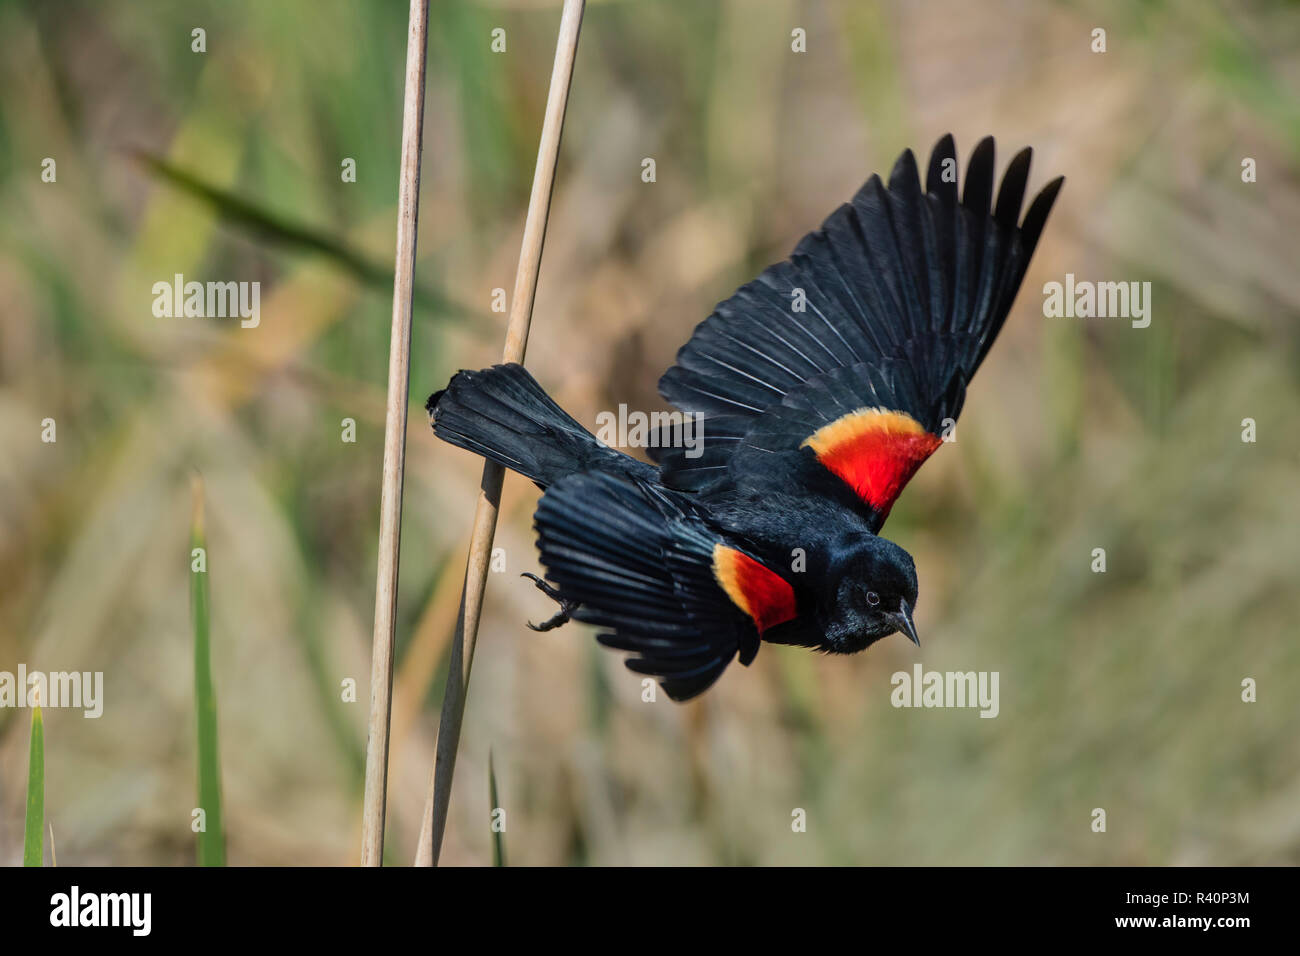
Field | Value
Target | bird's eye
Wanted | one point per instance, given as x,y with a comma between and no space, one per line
873,598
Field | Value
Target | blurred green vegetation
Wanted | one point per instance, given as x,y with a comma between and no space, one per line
1119,690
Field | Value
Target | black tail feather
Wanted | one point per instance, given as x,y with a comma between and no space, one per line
503,414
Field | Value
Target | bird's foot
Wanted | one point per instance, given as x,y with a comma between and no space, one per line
559,617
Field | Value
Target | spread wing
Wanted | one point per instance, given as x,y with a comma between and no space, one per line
642,563
856,351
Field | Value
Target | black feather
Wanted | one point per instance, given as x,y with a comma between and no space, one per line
912,286
639,560
503,414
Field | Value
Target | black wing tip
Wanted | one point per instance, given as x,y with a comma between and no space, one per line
945,145
1036,217
1050,190
944,150
1011,194
1047,195
680,688
871,190
978,192
905,174
1024,156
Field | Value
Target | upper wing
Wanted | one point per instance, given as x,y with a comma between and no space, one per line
642,562
859,347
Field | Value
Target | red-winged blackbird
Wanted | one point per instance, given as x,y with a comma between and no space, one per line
824,384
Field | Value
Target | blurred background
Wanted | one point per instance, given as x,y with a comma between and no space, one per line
1119,690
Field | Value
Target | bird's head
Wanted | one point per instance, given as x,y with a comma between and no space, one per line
872,596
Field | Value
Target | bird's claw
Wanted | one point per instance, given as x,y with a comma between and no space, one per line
559,617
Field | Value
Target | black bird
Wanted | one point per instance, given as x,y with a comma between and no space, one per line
823,385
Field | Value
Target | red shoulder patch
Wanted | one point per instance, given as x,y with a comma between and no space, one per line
875,450
762,594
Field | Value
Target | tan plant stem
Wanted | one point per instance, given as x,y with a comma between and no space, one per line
485,515
390,505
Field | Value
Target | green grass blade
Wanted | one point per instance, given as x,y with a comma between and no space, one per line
250,217
34,832
211,839
498,834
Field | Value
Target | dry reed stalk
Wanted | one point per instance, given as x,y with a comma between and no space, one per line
485,515
390,507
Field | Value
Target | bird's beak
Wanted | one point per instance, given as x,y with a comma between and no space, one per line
902,619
